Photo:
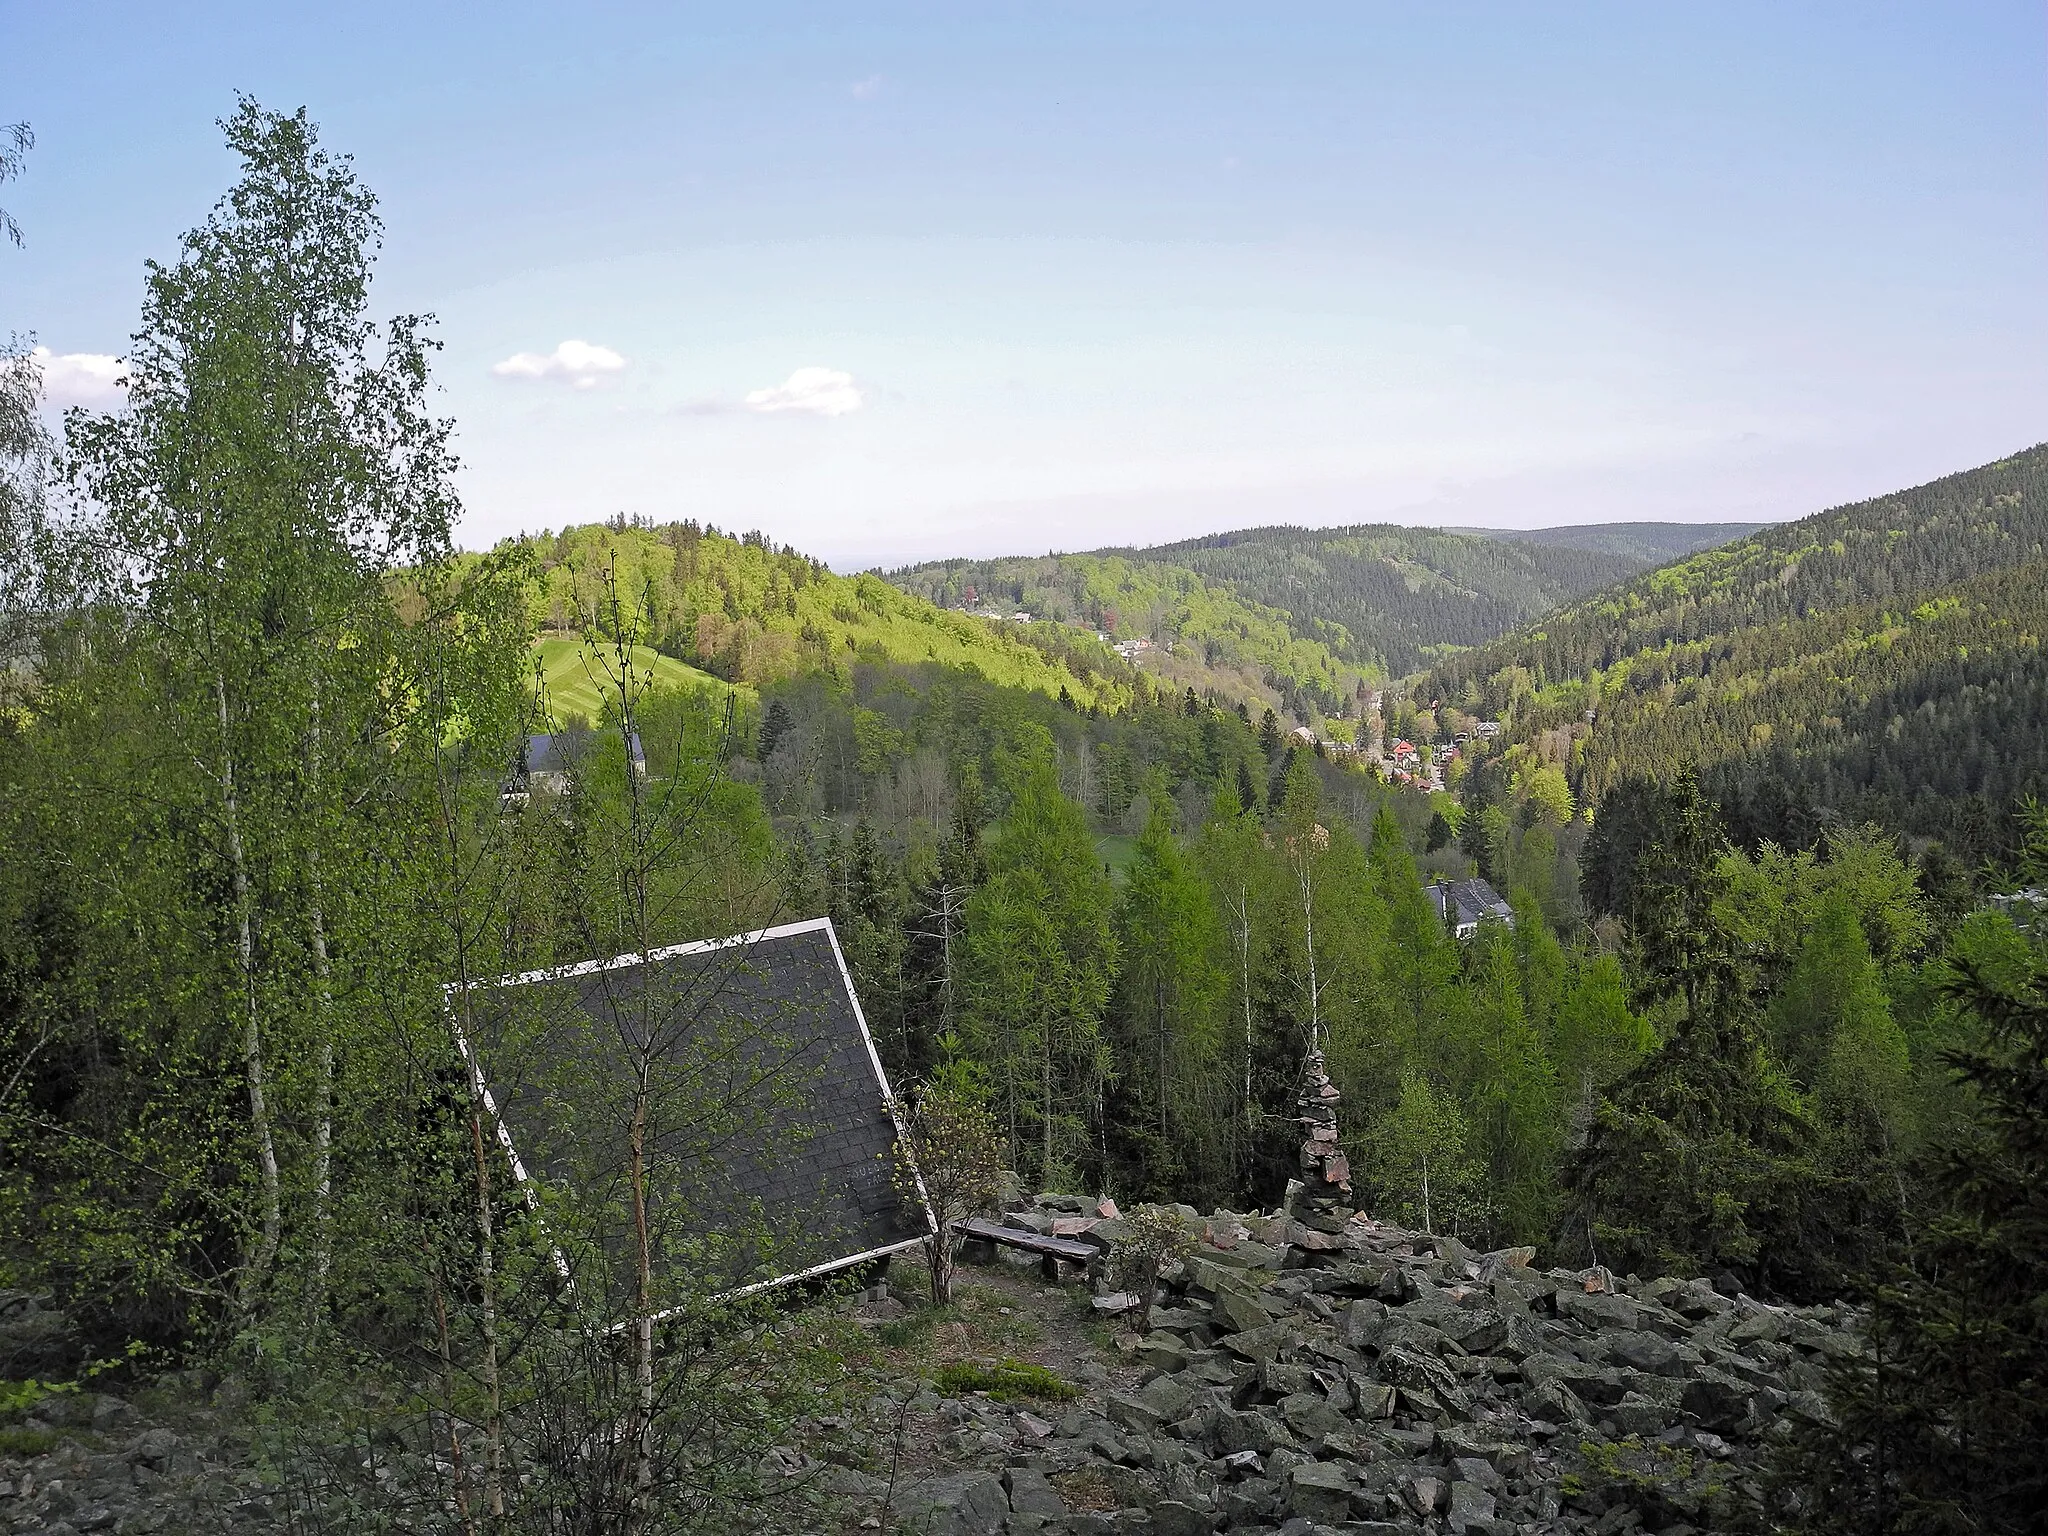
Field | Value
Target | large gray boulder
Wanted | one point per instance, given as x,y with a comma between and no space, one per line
1032,1493
954,1504
1320,1490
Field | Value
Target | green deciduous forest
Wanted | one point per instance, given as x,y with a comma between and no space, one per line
1648,543
750,612
258,725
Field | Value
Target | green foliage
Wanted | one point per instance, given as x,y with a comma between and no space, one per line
25,1443
253,850
1706,1155
1596,1040
1649,543
16,140
275,466
1206,634
1768,900
1515,1106
1154,1236
947,1160
1652,862
21,1397
1832,1024
1936,1427
1703,1162
1417,1164
1040,958
1005,1380
253,853
1171,986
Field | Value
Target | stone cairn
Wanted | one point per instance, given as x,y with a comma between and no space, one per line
1324,1198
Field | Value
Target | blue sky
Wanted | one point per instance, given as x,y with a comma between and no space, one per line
897,281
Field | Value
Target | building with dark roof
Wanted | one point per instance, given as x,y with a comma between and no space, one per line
546,764
770,1130
1463,904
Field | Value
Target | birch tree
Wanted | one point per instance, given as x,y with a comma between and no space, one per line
275,461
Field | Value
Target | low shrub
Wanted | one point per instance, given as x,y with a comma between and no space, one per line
1005,1381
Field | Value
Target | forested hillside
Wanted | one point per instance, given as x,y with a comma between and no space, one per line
1207,635
1876,661
748,612
1376,597
1649,543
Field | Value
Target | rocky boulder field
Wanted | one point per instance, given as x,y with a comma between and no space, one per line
1298,1376
1369,1379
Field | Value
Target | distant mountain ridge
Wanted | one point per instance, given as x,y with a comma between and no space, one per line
1379,597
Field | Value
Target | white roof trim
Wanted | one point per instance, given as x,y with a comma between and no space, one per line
639,957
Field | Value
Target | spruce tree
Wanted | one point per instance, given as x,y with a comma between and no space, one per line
1938,1427
1269,734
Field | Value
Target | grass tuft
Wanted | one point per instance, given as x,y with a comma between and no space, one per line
903,1332
26,1442
1005,1381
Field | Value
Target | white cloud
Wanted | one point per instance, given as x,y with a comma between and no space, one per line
818,391
81,378
868,89
580,364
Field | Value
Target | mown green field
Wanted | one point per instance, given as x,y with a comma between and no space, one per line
1118,851
576,683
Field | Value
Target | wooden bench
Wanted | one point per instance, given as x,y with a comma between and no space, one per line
1052,1251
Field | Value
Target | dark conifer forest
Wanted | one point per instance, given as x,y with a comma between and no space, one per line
1878,662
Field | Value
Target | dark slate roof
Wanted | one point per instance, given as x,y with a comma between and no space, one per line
1459,902
772,1130
559,752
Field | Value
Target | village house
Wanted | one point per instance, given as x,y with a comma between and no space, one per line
546,764
1463,905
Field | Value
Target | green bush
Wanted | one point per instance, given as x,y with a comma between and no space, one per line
1005,1381
18,1398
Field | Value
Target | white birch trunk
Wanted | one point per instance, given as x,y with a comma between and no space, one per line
254,1072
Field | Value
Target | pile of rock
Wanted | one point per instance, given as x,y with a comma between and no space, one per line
1322,1196
1379,1380
84,1461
